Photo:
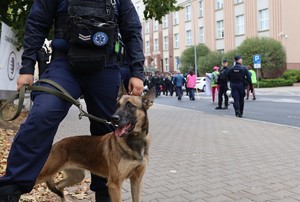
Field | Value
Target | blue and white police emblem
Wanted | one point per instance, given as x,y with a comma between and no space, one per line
100,38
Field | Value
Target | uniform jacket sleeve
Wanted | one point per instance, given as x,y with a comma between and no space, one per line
228,73
38,24
248,76
130,30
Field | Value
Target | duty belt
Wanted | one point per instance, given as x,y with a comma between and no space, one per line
59,54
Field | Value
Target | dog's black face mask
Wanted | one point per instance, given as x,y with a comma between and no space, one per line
131,114
125,118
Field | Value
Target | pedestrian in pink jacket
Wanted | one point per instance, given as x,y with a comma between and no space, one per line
190,84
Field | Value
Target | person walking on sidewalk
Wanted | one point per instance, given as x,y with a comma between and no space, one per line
87,68
190,84
254,81
156,83
223,87
179,81
214,83
236,76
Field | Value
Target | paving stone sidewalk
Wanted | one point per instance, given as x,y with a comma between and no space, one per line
196,156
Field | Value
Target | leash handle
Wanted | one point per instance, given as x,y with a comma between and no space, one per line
21,97
59,91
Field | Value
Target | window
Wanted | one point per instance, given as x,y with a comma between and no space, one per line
200,8
177,61
176,40
155,25
188,13
188,38
176,18
165,21
219,4
166,44
201,34
221,51
263,16
238,1
147,27
166,60
220,29
147,47
155,44
240,26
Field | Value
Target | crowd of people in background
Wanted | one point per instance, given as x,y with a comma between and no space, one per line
170,84
164,83
236,81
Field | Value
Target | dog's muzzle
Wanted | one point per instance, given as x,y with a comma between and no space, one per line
122,129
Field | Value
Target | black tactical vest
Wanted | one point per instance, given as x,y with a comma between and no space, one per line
92,33
92,22
88,23
237,73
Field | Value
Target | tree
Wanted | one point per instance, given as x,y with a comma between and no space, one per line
187,58
4,5
206,63
156,9
273,55
14,12
229,55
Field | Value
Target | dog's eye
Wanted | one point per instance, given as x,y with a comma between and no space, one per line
129,105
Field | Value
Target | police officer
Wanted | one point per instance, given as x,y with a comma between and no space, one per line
156,81
223,87
238,75
84,62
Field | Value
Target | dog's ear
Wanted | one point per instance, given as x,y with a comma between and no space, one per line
122,91
149,97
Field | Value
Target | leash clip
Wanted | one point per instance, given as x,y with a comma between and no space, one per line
81,112
110,123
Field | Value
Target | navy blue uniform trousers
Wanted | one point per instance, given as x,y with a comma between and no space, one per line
32,143
238,94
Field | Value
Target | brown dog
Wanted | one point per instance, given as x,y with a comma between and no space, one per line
117,155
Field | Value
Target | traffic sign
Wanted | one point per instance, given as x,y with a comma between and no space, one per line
257,61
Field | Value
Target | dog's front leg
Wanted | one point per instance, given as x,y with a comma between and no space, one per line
114,188
136,183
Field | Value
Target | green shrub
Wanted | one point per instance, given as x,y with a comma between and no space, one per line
229,55
187,58
292,75
206,63
273,55
267,83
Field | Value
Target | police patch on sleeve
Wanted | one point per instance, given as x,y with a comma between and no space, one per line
100,38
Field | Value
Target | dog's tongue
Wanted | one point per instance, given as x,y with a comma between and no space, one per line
121,130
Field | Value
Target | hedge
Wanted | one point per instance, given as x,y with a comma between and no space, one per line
267,83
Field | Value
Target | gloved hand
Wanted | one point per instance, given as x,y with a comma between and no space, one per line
228,93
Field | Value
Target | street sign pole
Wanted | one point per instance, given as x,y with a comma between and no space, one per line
257,78
257,65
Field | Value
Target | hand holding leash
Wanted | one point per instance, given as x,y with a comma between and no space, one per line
135,86
24,79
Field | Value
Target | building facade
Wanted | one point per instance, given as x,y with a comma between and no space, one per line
222,25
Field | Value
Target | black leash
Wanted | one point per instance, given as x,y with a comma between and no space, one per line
59,91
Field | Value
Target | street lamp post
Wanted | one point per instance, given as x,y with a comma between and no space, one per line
195,44
195,58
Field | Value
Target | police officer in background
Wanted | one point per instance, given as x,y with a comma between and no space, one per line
236,76
223,87
84,62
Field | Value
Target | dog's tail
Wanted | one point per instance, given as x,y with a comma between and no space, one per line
51,185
